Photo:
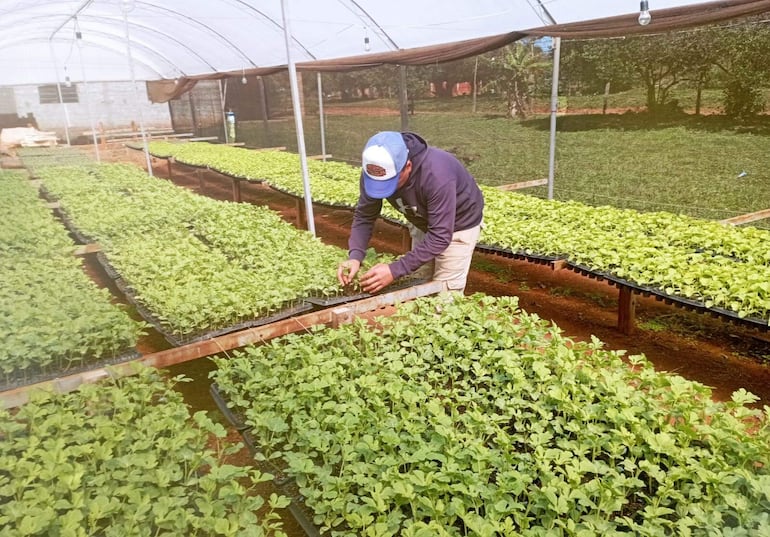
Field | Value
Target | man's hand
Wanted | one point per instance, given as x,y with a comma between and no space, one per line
376,278
347,270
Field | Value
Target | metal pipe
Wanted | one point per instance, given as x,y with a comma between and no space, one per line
136,93
298,118
321,116
88,98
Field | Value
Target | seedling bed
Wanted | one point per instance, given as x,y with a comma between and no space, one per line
177,340
401,283
283,483
472,404
677,301
532,258
35,375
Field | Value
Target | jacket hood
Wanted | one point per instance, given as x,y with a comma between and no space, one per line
416,146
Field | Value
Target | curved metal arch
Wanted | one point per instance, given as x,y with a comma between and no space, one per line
196,21
276,24
144,49
166,35
373,22
146,63
111,19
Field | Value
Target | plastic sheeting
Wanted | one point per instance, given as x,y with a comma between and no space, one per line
176,39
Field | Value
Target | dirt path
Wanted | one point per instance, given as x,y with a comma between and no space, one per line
709,350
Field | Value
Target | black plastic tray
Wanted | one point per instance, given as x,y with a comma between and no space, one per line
401,283
35,375
179,340
677,301
280,480
504,252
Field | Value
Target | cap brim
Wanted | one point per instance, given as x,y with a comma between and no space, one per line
377,188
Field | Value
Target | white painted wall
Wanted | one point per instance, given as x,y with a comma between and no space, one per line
114,105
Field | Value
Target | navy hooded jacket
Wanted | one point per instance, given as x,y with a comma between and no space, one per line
440,197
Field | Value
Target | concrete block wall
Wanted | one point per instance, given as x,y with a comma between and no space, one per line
113,105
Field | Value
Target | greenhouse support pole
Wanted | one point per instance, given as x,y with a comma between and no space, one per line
61,97
403,98
222,106
298,118
321,116
80,8
546,16
126,7
554,110
89,110
475,79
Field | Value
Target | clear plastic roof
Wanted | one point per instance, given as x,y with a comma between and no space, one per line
42,41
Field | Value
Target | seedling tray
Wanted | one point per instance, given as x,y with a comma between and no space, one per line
401,283
531,257
285,484
678,301
177,340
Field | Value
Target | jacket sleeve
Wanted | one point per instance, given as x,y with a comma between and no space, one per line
441,206
364,216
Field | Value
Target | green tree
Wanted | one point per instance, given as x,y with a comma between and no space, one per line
743,59
657,62
516,70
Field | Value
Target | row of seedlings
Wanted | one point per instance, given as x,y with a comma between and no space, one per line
125,457
702,263
53,317
469,417
195,267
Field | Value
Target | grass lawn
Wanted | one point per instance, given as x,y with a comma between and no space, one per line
685,164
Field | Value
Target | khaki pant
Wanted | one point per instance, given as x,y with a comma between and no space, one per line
453,264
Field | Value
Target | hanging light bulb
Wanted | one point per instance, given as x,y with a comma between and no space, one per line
243,77
67,81
78,34
367,46
127,5
644,13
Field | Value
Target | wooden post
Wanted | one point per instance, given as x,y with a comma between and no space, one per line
406,239
559,264
299,204
236,190
200,178
342,315
168,165
524,184
626,310
86,249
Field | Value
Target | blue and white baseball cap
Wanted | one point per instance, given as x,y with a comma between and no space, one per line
384,157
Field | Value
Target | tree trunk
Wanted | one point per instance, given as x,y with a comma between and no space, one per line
606,97
698,91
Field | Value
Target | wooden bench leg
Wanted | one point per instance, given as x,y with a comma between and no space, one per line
626,310
236,190
299,203
406,239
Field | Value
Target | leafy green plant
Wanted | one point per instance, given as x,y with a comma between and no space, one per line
717,265
53,318
194,263
466,416
125,457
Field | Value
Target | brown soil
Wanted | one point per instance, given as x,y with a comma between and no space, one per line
712,351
